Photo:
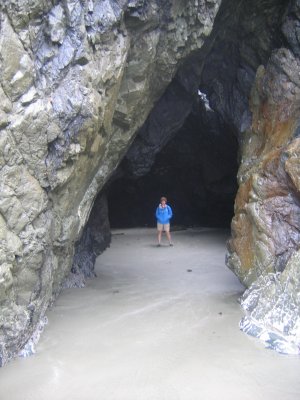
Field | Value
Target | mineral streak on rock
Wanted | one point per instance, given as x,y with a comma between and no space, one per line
264,249
267,204
77,80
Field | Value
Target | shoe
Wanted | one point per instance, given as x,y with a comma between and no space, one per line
158,245
171,244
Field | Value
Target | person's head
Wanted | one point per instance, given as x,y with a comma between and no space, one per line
163,201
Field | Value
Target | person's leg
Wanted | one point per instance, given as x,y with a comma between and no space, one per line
159,232
167,230
159,237
169,237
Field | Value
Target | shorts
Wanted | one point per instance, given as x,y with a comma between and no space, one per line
163,227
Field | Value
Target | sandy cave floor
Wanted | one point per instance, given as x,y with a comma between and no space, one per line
156,324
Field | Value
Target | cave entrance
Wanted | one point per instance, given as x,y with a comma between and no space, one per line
188,148
196,170
185,151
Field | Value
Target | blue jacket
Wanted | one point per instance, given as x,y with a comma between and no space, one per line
163,214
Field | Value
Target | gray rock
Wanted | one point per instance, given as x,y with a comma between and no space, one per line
16,67
56,24
263,251
272,309
77,80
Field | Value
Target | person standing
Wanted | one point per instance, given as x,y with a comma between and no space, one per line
163,215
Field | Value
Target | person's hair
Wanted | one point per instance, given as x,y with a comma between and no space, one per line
163,199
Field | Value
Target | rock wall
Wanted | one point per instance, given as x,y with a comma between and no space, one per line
94,240
77,80
264,249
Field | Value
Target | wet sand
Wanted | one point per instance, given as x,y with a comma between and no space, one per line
156,324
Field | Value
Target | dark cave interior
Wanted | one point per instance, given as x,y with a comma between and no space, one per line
196,170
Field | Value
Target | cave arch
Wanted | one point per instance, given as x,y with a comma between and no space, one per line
210,91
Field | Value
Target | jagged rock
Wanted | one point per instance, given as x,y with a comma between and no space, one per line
94,240
265,244
77,80
164,121
272,308
17,72
265,226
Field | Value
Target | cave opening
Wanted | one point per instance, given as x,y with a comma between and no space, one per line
187,151
196,170
190,146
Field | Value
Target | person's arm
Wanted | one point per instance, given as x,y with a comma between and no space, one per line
170,212
156,213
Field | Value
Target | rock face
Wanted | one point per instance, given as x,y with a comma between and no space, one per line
264,250
267,202
94,240
77,79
